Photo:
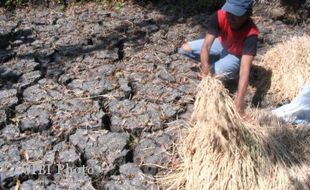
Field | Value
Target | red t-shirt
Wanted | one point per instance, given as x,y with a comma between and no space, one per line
236,42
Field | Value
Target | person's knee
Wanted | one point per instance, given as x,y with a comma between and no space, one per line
186,47
225,73
191,50
226,76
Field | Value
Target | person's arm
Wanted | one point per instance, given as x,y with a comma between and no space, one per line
248,54
204,55
213,32
246,62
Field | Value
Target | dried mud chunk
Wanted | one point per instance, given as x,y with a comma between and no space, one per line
8,98
78,113
42,92
2,117
10,132
104,151
28,79
22,66
150,154
36,119
69,157
131,178
94,86
33,149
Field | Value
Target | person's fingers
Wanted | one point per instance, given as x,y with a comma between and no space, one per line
247,118
202,75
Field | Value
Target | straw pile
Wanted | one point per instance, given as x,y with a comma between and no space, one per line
289,63
221,152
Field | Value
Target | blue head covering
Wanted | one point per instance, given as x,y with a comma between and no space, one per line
238,7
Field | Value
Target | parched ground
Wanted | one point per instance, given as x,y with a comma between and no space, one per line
98,96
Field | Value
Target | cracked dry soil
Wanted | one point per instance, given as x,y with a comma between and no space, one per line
93,98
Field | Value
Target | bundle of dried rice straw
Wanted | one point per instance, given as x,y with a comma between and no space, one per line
222,152
289,63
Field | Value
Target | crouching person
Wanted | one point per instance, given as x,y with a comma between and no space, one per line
229,47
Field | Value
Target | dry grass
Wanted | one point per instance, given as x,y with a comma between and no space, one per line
289,63
222,152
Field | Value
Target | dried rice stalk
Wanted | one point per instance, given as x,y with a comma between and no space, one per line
290,65
221,152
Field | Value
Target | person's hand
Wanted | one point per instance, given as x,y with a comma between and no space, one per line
204,71
240,110
249,118
239,106
245,116
203,74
